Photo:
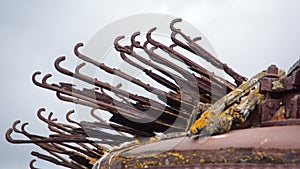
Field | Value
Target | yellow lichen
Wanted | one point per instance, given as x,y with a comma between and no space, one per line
202,161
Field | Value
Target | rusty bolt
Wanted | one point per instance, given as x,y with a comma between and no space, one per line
273,70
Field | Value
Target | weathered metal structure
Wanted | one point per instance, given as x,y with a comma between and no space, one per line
264,107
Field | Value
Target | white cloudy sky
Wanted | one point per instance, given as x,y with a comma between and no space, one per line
249,36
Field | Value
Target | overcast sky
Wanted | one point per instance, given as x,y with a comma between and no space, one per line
249,36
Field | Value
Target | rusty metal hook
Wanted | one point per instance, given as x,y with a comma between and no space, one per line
9,138
15,128
44,83
172,25
69,119
120,48
135,43
15,141
41,117
76,47
149,38
23,129
61,69
178,31
34,79
31,164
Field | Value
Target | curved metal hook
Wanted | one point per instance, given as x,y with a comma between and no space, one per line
172,25
8,136
176,30
69,119
61,69
76,47
31,164
45,78
40,116
149,38
15,128
27,134
82,56
33,78
135,43
44,83
15,141
120,48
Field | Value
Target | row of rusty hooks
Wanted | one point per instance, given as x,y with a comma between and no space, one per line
118,72
58,144
177,79
142,101
171,96
85,58
202,83
52,124
130,51
160,93
193,65
57,160
62,137
96,82
47,144
124,109
150,63
195,48
95,107
82,142
157,58
154,104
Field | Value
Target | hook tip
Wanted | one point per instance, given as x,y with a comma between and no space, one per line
76,47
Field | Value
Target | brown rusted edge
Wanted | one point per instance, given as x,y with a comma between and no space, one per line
231,156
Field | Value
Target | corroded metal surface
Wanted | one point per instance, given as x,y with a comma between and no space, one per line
233,166
282,103
261,146
222,157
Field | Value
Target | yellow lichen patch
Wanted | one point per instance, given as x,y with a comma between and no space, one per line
232,108
202,161
200,123
152,139
277,85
